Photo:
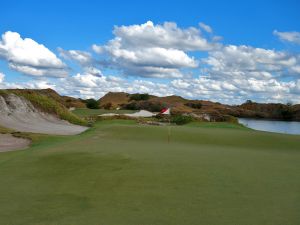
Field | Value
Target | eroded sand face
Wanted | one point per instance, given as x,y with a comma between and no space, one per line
19,114
10,143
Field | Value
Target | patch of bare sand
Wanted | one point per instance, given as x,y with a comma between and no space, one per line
10,143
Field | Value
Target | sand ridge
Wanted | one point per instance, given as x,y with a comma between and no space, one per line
19,114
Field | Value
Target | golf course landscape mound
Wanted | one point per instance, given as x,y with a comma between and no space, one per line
19,114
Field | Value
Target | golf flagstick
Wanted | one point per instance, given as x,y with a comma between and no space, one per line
169,127
167,111
169,130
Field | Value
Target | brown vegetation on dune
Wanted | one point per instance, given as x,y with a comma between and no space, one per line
113,100
201,108
214,110
64,100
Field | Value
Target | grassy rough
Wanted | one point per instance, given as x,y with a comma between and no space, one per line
119,172
3,92
4,130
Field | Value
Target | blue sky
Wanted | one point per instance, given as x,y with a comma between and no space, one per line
78,25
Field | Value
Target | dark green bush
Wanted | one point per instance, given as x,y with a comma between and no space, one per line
181,119
131,106
139,97
92,103
152,106
286,112
194,105
145,105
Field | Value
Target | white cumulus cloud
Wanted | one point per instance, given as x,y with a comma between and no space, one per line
150,50
206,27
167,35
167,54
82,57
291,36
29,57
247,61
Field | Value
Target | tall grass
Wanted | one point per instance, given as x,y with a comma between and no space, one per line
3,93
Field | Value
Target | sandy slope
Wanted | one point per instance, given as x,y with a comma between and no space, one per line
9,143
19,114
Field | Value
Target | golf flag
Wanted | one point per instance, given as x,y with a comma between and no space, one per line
165,111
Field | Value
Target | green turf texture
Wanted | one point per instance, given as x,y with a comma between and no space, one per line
123,173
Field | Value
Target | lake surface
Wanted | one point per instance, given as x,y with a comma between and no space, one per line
284,127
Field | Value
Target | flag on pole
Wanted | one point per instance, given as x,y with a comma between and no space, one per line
165,111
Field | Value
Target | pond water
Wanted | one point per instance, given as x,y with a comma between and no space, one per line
285,127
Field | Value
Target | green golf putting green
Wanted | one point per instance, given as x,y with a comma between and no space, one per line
123,173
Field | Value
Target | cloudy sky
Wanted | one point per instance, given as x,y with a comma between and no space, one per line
226,51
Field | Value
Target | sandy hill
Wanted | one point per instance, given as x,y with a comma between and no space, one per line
31,111
114,99
64,100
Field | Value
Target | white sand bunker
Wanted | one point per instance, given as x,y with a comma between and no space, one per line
141,113
9,143
19,114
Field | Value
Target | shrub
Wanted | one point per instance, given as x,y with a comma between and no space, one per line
131,106
194,105
146,105
152,106
181,119
92,103
3,92
139,97
286,112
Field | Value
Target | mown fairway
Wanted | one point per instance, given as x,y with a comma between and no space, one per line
122,173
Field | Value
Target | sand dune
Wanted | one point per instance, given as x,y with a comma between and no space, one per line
19,114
